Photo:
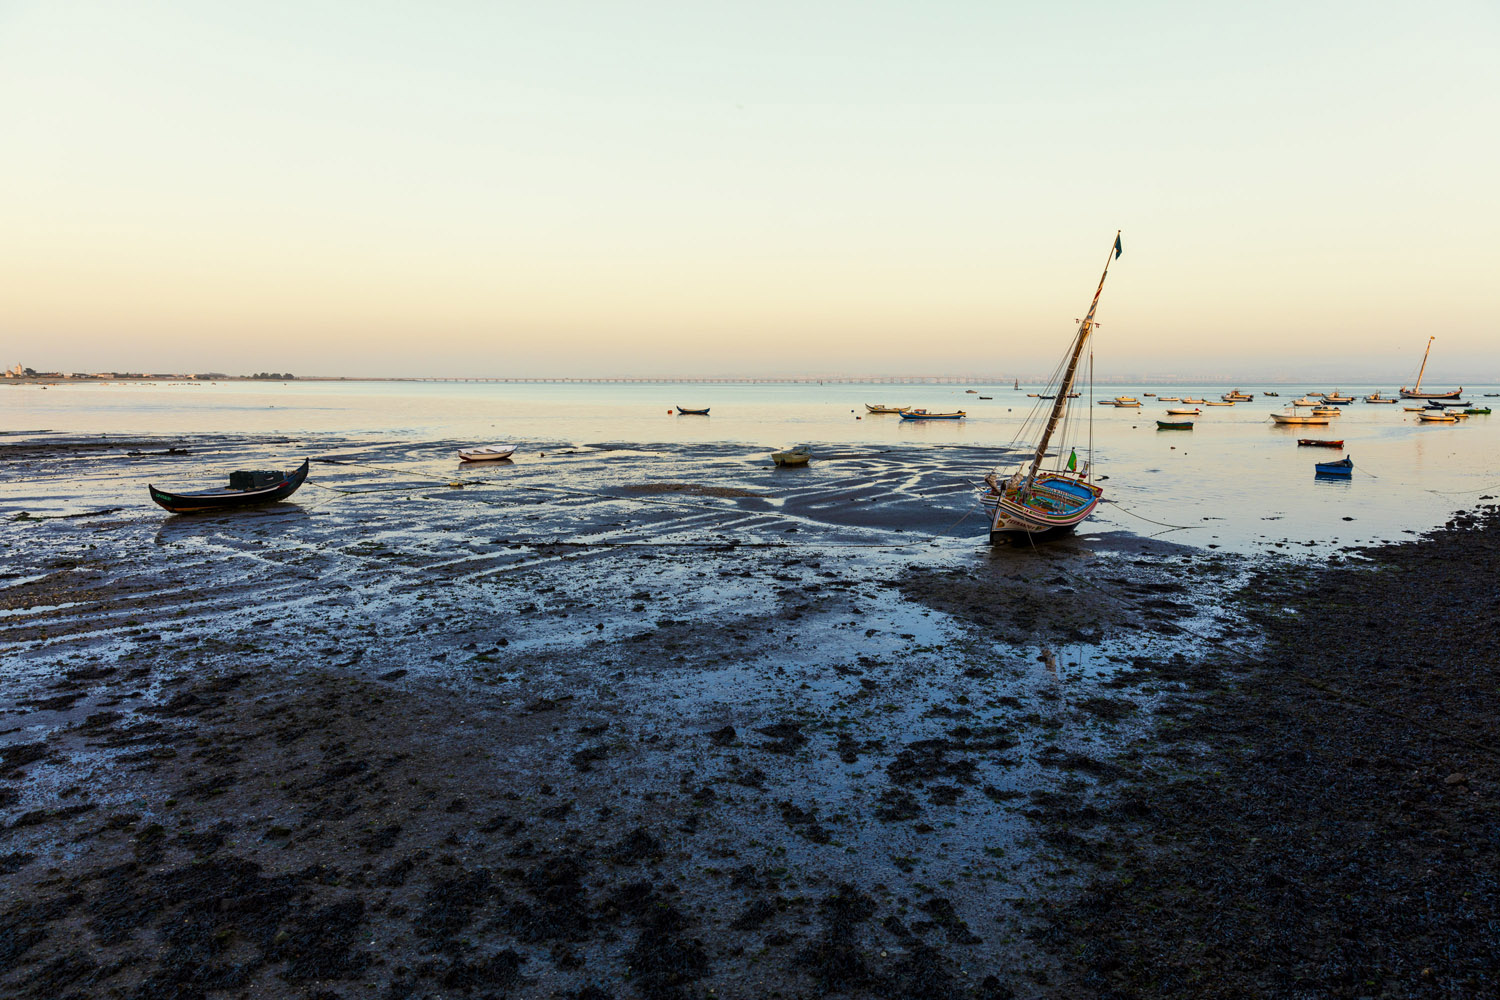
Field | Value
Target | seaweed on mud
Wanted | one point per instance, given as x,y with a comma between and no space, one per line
1314,799
925,760
786,737
559,908
663,961
636,847
897,805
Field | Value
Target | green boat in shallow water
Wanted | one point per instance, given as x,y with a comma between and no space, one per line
1482,411
1174,425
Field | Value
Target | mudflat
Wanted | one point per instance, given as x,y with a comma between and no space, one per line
778,736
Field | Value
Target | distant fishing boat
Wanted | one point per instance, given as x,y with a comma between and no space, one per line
1306,401
1337,400
1151,395
1198,402
1343,467
1415,392
1297,418
1237,397
972,392
1477,411
1270,394
1181,411
1031,501
688,411
1169,399
492,453
882,408
927,415
1326,411
1437,417
1376,397
986,397
797,455
1174,425
1218,402
245,489
1319,443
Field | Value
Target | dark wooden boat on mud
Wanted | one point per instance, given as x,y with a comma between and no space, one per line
245,489
1319,443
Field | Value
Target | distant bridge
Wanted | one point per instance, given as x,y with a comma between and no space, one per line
797,380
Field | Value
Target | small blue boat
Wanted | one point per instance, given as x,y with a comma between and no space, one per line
1343,467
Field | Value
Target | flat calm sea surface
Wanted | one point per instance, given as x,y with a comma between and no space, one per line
1236,481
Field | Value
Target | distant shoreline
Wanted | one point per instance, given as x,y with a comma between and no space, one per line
966,380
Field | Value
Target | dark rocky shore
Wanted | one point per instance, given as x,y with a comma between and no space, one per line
322,753
1319,819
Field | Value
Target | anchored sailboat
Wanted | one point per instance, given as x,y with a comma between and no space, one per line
1032,501
1415,392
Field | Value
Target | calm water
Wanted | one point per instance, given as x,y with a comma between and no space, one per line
1235,481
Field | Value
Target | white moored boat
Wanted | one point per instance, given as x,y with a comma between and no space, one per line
491,453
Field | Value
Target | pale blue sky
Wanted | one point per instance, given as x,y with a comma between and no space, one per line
362,188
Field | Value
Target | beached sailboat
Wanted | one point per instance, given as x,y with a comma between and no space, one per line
1031,501
1415,392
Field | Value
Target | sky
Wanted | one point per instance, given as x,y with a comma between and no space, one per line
698,188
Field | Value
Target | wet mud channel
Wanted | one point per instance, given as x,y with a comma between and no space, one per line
628,720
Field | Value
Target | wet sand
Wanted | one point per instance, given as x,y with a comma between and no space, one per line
726,732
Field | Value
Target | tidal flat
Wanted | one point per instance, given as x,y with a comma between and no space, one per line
635,722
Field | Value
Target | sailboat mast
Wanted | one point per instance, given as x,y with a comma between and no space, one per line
1061,404
1418,386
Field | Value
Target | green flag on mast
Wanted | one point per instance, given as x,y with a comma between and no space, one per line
1073,460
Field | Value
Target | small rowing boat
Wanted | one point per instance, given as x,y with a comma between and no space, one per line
1437,417
797,455
245,489
1477,411
1297,418
882,408
1319,443
1343,467
687,411
1174,425
493,453
917,414
1179,412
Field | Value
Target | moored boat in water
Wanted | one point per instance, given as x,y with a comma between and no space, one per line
688,411
919,414
245,489
1415,392
1343,467
1298,418
882,408
1174,425
1319,443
